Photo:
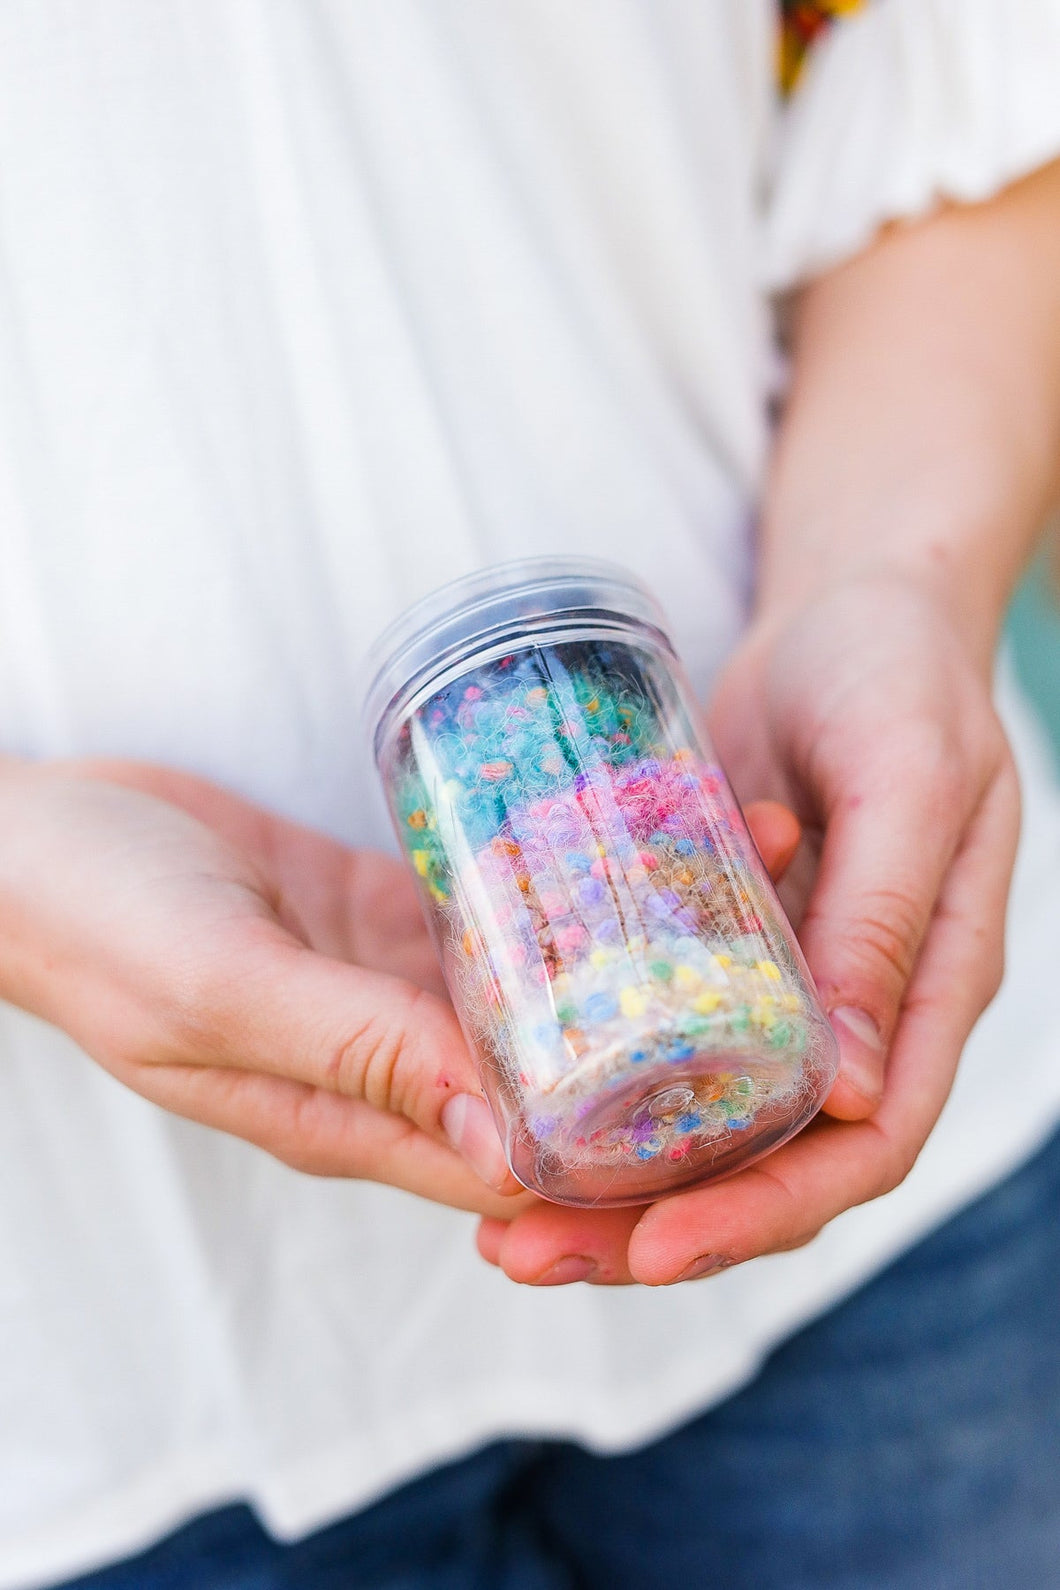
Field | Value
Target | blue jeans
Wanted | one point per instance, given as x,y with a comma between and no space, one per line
908,1440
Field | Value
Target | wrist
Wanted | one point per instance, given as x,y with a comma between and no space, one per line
973,617
968,574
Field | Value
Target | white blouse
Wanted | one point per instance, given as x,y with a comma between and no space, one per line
307,306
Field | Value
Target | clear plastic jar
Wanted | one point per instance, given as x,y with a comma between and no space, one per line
641,1012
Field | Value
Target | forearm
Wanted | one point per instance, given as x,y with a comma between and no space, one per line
921,437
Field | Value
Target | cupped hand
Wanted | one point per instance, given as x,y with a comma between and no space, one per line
243,971
868,713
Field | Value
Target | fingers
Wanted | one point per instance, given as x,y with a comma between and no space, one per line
593,1242
552,1246
325,1135
785,1200
961,964
172,953
776,832
261,1003
277,1008
891,833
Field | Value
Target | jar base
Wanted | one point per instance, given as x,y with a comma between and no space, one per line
666,1129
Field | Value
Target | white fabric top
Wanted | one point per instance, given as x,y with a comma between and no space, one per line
906,103
305,307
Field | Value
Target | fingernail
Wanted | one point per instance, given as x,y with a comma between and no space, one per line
468,1124
706,1264
573,1268
861,1051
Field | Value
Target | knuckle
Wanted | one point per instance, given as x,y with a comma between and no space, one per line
801,1240
297,1156
888,933
894,1162
294,1134
362,1063
304,1137
933,760
890,1174
367,1062
945,756
950,781
878,944
983,957
789,1215
990,976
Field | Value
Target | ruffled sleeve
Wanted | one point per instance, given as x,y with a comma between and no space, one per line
901,105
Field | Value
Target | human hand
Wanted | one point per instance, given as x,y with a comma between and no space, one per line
243,971
867,711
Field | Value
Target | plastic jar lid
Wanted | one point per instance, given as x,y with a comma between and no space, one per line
508,602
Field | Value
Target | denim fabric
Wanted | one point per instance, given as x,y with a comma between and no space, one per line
908,1440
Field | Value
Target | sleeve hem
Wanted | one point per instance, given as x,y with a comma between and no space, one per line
907,104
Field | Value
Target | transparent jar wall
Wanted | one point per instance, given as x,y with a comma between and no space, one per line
610,938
